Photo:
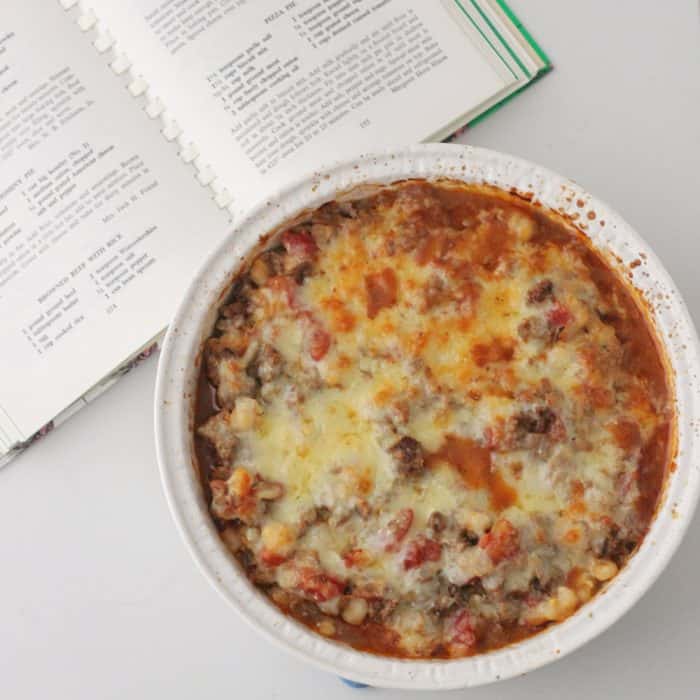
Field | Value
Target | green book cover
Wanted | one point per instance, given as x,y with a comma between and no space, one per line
510,41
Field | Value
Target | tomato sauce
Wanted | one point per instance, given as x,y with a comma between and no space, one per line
473,463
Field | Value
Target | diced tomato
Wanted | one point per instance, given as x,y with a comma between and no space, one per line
501,542
271,558
285,286
382,291
355,557
319,342
559,316
421,550
319,586
300,244
462,629
398,528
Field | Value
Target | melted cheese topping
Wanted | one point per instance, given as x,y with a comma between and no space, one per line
446,420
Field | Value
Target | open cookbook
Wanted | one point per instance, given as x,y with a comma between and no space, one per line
134,133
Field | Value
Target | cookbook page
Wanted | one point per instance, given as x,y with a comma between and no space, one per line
268,89
101,224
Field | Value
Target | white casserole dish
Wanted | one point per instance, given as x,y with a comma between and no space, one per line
177,378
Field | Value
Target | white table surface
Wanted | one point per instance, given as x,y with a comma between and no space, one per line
98,597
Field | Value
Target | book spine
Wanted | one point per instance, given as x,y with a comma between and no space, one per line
140,90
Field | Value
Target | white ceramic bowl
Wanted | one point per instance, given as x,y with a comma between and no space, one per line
177,375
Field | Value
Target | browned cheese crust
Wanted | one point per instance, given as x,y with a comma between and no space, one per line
432,421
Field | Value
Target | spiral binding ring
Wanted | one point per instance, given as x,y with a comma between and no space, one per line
106,45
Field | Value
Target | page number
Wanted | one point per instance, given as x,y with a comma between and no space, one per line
365,123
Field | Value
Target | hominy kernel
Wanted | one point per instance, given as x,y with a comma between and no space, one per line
252,535
326,628
245,413
260,271
278,538
567,602
604,569
585,587
286,577
355,611
546,611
